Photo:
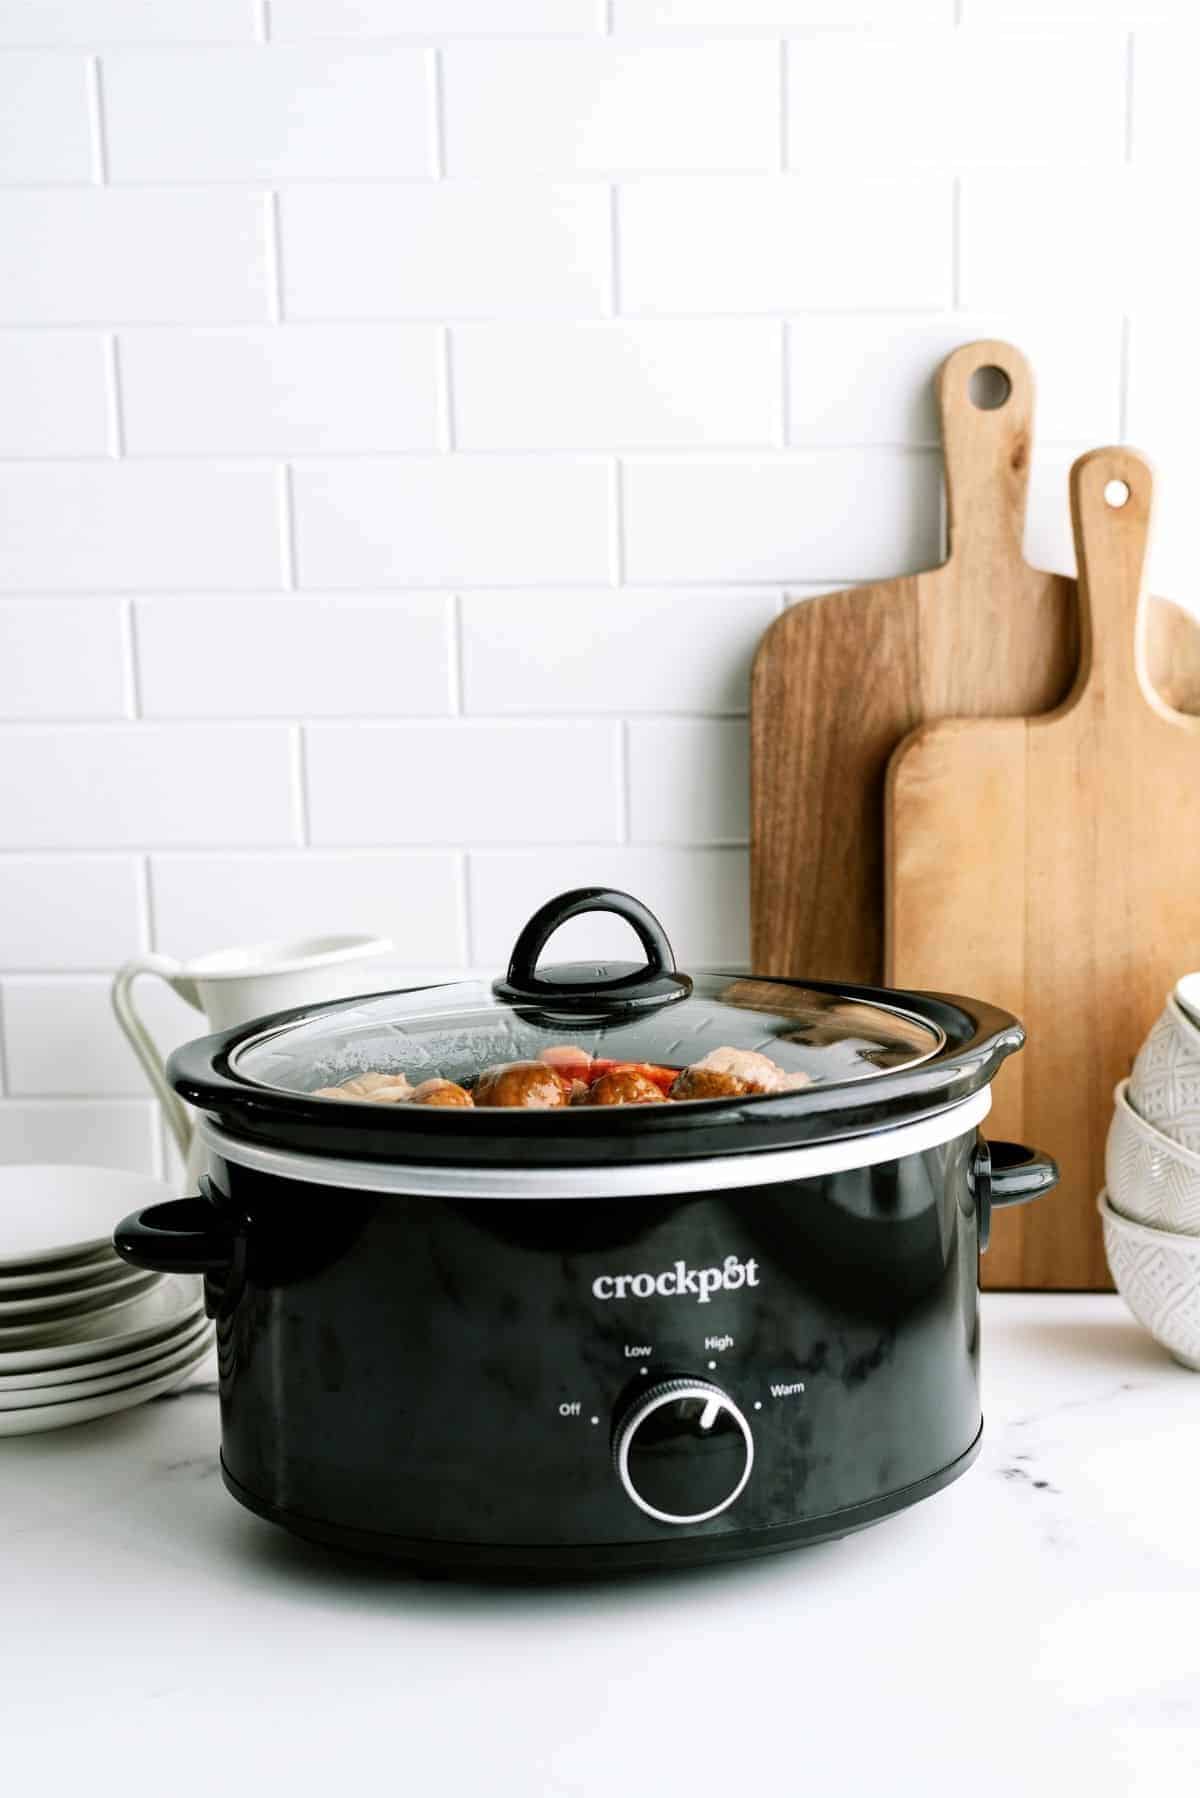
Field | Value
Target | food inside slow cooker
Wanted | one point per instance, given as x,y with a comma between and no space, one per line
567,1075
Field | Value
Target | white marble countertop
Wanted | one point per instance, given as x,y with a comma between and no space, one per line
1034,1629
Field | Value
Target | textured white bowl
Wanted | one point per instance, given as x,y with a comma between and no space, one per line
1187,991
1157,1273
1152,1179
1164,1087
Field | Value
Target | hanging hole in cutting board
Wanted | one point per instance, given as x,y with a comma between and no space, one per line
1116,493
989,387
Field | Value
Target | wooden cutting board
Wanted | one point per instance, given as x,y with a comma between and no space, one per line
840,679
1052,864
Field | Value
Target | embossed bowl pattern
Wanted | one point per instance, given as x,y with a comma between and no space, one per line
1164,1087
1152,1179
1157,1273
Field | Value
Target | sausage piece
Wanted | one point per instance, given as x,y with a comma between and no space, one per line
526,1083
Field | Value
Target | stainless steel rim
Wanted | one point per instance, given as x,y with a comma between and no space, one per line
638,1180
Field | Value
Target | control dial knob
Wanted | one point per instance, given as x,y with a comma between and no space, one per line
683,1451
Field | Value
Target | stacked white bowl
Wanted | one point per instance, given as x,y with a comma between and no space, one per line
1151,1208
81,1333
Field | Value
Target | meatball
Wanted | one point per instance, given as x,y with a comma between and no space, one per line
625,1086
441,1092
699,1082
526,1083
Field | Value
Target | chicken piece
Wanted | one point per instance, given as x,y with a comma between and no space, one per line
522,1083
441,1092
625,1086
378,1089
568,1060
727,1073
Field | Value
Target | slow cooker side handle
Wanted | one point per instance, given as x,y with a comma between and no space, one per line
1007,1173
179,1236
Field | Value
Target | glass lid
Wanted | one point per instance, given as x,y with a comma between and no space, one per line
583,1036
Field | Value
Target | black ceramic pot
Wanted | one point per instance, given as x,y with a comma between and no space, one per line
595,1338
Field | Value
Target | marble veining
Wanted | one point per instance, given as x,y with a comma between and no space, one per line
1032,1629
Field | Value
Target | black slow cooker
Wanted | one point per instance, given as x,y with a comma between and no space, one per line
595,1337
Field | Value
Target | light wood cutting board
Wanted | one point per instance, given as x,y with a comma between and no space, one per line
840,679
1052,864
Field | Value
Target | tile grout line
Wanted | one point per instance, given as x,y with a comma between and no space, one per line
1123,392
785,397
956,245
446,391
529,719
273,244
624,792
288,541
300,801
112,369
785,55
614,250
1130,91
5,1083
436,79
467,906
149,921
99,134
263,11
616,527
456,663
129,638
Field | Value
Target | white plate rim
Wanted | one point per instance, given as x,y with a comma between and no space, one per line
36,1418
44,1379
53,1273
57,1307
48,1321
42,1396
87,1348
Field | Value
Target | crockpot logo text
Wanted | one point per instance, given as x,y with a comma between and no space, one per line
673,1282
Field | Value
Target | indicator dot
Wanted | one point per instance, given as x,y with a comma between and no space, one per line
643,1371
758,1404
594,1420
712,1364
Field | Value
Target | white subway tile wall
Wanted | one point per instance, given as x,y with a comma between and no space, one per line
415,411
45,128
292,390
56,394
286,114
145,255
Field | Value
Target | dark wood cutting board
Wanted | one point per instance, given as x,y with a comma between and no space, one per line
1052,864
840,679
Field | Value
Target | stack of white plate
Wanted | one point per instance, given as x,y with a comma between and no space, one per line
82,1333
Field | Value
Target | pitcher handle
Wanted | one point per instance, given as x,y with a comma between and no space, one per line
142,1043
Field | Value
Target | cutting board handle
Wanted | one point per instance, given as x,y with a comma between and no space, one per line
1112,497
987,449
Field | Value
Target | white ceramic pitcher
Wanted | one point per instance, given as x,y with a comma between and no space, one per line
232,986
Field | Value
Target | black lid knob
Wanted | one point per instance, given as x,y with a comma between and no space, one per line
590,987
